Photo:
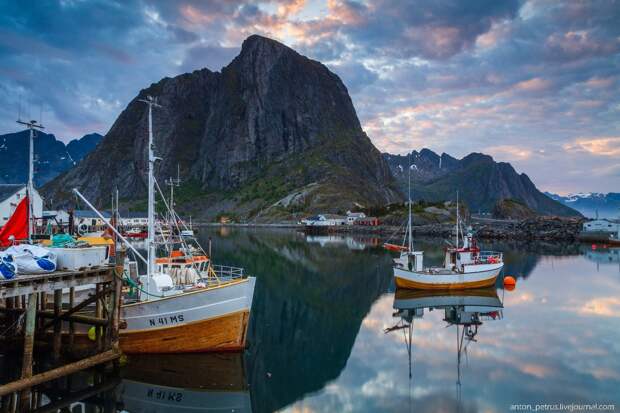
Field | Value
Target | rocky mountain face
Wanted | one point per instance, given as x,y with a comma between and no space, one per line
512,209
274,133
592,204
52,157
480,180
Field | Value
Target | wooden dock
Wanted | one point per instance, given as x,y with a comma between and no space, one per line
27,310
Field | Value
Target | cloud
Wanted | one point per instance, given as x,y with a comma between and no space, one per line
604,146
533,85
509,152
355,75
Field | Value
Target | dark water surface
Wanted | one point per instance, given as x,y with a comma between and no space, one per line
318,340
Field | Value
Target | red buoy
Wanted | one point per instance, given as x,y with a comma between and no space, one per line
509,283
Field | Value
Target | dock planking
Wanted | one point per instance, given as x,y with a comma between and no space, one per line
24,284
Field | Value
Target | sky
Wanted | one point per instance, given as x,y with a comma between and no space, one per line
535,83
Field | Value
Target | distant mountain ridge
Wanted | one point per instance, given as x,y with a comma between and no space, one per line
480,180
591,204
52,157
273,134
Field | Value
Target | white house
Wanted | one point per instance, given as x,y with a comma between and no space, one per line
354,216
325,220
11,196
602,225
134,219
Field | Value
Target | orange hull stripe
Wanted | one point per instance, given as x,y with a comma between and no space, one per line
403,283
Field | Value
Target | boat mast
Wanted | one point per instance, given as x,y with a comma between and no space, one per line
30,187
457,219
150,240
410,247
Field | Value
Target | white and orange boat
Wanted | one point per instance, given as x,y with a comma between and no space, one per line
464,266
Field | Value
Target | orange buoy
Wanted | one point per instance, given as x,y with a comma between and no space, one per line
509,283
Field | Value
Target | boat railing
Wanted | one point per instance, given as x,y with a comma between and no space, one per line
227,272
490,257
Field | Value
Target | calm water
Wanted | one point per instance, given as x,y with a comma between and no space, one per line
318,339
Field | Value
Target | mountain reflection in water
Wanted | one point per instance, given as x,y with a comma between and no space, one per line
318,343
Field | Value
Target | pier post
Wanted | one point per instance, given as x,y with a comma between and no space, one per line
57,326
116,296
31,314
71,323
98,313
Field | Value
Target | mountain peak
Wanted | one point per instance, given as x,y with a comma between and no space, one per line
256,40
256,48
480,180
273,125
52,156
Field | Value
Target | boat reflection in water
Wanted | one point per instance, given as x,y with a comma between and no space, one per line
602,255
214,382
465,309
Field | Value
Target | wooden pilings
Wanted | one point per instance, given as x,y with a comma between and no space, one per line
36,319
29,336
57,326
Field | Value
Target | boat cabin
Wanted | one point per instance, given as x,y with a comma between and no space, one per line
411,260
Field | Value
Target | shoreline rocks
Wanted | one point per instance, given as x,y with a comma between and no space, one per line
533,229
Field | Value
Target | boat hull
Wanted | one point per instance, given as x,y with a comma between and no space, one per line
457,281
213,319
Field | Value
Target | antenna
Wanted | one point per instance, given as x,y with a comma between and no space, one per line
457,219
32,125
172,182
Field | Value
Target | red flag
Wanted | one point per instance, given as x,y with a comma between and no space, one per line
17,225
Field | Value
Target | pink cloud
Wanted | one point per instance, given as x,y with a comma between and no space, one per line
600,82
603,146
535,84
580,44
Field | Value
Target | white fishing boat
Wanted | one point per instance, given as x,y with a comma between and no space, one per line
465,265
205,310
